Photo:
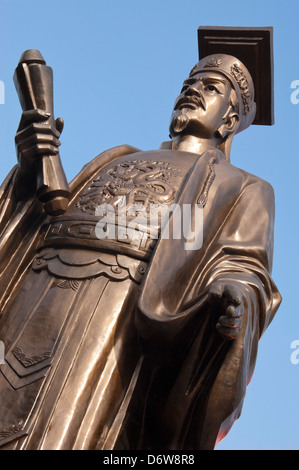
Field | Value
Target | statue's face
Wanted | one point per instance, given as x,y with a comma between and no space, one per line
201,106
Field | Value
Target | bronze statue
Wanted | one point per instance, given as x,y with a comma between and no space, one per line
135,341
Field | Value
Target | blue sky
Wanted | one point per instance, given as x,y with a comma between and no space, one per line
118,67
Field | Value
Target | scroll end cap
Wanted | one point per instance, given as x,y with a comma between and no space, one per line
32,56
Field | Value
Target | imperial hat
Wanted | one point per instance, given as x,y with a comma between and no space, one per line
239,77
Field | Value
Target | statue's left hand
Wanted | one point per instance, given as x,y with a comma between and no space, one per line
226,299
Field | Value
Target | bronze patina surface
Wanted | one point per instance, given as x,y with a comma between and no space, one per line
136,340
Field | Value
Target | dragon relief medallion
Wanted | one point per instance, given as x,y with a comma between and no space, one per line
139,182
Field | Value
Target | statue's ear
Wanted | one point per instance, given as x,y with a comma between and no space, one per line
229,126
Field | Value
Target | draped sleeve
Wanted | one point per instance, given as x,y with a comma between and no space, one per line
174,318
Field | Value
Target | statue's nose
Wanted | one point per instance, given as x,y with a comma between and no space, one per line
195,88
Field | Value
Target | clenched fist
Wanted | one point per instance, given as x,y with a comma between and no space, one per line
36,137
226,300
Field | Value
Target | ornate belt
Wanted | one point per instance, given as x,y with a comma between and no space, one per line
138,242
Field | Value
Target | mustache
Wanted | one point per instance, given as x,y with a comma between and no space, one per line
191,99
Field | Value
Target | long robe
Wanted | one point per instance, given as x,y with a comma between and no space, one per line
172,382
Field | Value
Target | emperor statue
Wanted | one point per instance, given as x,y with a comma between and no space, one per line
136,341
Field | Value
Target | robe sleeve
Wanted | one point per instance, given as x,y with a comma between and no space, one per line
170,317
19,226
240,252
244,249
7,200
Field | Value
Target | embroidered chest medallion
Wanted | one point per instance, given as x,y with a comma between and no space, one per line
138,181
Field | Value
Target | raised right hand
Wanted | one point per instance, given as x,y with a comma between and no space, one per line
35,137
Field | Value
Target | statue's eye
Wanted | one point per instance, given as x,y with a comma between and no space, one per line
212,88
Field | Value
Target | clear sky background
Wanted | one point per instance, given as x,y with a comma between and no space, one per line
118,67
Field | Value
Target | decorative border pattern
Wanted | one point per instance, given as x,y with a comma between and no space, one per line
11,429
240,78
27,361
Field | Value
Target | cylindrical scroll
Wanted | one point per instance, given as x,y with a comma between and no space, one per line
34,83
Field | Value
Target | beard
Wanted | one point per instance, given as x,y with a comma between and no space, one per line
179,122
